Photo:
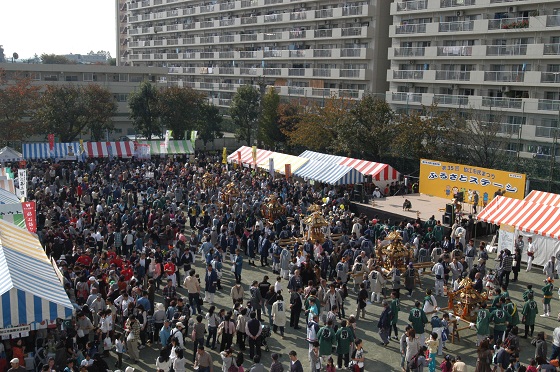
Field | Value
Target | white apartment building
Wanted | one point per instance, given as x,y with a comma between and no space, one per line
501,57
119,80
305,48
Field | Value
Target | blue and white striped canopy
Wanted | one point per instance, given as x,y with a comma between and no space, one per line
41,150
332,174
7,197
30,290
326,158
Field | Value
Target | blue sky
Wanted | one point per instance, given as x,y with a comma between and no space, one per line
57,26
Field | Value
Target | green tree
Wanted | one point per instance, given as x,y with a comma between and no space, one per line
244,111
373,126
180,109
17,104
52,59
145,110
66,111
270,131
210,123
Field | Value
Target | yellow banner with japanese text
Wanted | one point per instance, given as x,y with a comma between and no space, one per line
468,183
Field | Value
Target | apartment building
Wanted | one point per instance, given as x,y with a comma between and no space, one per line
500,57
119,80
305,49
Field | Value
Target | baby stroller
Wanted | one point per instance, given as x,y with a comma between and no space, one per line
265,333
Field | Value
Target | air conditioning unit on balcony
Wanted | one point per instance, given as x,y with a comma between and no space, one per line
512,9
411,62
460,13
505,89
410,85
454,86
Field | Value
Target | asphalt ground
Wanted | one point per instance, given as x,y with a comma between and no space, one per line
378,358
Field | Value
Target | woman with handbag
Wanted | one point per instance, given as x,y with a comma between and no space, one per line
132,337
358,359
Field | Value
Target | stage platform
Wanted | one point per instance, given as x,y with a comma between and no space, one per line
423,206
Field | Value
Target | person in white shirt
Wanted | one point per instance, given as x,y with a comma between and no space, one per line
178,334
531,251
430,302
278,285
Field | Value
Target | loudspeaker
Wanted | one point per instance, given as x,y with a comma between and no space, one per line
460,195
448,208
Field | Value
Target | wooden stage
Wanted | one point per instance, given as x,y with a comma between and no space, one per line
423,206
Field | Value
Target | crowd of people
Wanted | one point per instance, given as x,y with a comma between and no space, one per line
143,248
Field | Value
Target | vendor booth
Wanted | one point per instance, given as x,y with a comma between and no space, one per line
31,291
174,147
10,208
122,149
248,156
41,150
332,174
521,217
9,155
378,171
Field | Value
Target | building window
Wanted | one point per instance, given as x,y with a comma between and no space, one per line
71,78
123,78
33,75
89,76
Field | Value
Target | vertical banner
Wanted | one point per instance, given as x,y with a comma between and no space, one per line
506,238
288,170
167,136
194,134
239,158
81,146
224,155
51,142
254,152
29,214
22,179
271,167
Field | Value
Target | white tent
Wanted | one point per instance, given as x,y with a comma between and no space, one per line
8,155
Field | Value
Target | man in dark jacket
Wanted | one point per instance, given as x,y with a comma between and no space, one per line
384,324
296,305
295,364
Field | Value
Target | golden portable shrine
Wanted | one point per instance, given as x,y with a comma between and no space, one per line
391,252
272,210
208,180
315,223
230,194
464,302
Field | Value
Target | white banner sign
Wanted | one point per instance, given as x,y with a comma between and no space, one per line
22,179
14,331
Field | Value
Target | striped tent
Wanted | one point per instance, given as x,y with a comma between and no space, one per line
247,156
7,184
326,158
41,150
175,147
8,154
542,197
7,197
523,215
332,174
30,290
122,149
280,161
378,171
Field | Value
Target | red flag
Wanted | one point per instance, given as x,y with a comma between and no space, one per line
30,216
51,141
239,157
288,170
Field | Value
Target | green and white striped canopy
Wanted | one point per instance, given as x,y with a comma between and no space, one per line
175,147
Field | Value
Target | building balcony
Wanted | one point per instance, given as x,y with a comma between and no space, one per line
454,51
551,49
455,3
553,20
406,97
453,75
508,23
419,28
549,105
506,50
409,52
408,74
502,102
448,99
504,76
405,6
324,13
227,6
550,77
457,26
321,72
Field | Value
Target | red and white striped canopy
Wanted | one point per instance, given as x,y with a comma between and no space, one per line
542,197
523,215
247,156
123,149
379,171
